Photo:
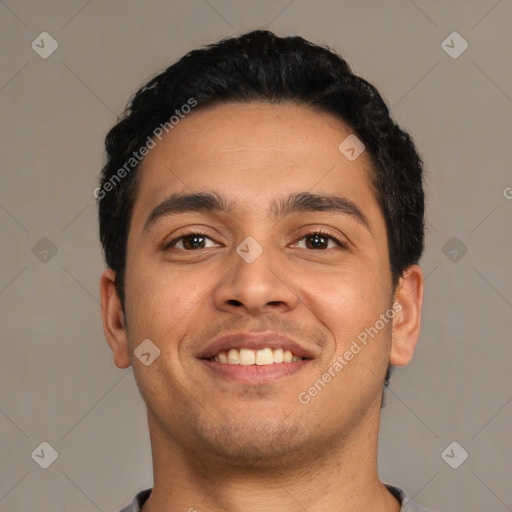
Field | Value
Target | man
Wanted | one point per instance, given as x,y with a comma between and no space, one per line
262,222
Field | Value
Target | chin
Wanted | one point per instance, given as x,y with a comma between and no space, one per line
258,445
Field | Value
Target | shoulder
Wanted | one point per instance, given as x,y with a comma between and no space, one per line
407,504
138,501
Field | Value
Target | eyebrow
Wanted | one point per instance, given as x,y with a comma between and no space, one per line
207,202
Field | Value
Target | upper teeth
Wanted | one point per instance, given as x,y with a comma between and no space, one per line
247,356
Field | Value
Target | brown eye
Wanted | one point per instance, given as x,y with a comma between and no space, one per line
320,241
190,242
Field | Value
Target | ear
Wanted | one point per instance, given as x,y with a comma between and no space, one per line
406,323
113,319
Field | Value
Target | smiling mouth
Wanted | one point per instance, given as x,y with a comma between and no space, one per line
261,357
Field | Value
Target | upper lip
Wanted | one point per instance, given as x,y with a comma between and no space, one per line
255,342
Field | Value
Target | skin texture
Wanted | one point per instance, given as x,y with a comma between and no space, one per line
221,445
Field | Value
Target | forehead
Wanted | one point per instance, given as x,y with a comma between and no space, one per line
254,153
273,133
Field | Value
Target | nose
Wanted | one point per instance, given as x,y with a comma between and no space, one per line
256,281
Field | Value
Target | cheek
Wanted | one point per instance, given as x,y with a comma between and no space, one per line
349,305
345,299
158,299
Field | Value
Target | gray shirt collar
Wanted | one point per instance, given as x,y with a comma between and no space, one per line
407,504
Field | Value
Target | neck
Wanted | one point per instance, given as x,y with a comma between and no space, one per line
340,476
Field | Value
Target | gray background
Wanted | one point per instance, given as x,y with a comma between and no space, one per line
58,380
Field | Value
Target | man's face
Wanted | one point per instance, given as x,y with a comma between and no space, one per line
185,293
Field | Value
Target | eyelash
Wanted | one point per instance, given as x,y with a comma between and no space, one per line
199,232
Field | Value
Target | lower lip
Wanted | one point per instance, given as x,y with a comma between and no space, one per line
255,374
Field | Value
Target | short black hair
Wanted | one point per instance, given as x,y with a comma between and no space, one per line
261,67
